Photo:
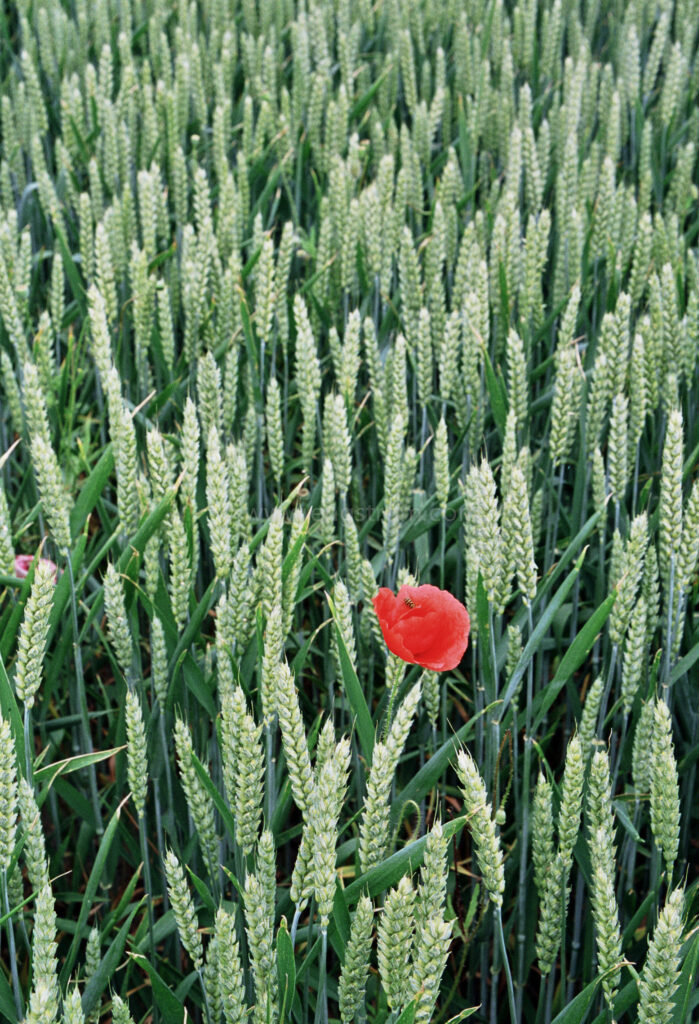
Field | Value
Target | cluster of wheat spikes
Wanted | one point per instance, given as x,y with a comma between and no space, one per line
299,299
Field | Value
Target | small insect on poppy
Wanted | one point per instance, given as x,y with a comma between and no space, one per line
423,625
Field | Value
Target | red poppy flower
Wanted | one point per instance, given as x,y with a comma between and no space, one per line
423,625
23,562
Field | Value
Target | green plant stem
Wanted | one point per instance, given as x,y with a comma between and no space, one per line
619,752
655,879
389,711
82,699
635,477
166,762
148,883
540,1006
524,836
423,439
321,1015
564,908
270,778
28,743
160,839
493,740
9,928
478,702
631,860
506,963
552,536
295,925
550,989
207,1008
442,549
607,691
669,632
575,944
311,939
675,639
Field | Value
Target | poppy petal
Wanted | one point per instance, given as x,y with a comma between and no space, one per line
423,625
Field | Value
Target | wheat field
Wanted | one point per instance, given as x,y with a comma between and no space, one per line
301,301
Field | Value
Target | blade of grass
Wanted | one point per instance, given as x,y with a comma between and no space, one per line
73,764
355,694
572,660
169,1006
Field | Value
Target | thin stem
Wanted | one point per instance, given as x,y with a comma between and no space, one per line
655,879
619,753
17,992
670,631
207,1010
564,909
389,711
442,549
675,641
552,534
493,746
524,840
575,944
506,962
377,304
607,690
270,789
478,702
294,926
160,839
28,743
631,862
635,480
321,1016
550,988
82,699
166,762
540,1003
148,883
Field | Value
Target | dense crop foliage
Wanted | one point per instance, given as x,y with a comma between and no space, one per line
299,300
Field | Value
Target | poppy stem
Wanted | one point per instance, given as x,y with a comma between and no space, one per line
442,549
